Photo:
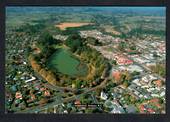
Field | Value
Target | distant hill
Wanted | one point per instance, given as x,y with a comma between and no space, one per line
159,11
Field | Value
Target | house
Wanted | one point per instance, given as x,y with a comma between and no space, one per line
131,109
65,111
116,75
29,80
147,79
103,96
114,95
18,95
133,68
113,107
77,102
147,96
141,60
150,110
42,89
162,93
158,83
47,93
33,97
145,108
142,108
140,95
136,81
121,60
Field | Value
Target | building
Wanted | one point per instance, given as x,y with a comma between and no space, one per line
131,109
122,60
158,83
29,80
116,75
113,107
18,95
103,96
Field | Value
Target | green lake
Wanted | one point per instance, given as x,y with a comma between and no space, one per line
64,62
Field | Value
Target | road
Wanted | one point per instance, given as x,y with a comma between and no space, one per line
58,100
40,108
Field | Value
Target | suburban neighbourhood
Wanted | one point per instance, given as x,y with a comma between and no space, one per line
114,74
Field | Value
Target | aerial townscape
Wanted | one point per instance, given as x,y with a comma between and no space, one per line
78,60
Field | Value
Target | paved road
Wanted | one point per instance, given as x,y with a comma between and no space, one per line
59,100
96,102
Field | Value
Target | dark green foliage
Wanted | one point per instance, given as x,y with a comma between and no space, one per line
122,46
32,29
46,42
27,51
47,39
135,73
139,31
133,47
114,62
93,41
78,84
75,42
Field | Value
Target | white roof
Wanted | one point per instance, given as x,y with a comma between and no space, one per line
33,78
103,96
162,94
133,68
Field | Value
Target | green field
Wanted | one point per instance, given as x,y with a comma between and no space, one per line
64,62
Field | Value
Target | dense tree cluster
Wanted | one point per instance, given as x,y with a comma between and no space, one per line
122,46
46,44
88,55
77,45
93,41
75,42
32,29
140,31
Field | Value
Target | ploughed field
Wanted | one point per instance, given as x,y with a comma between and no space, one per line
66,25
64,62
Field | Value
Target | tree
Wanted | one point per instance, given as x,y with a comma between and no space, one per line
121,46
98,91
93,41
31,29
132,47
78,84
43,101
128,76
28,51
75,42
114,62
126,83
96,110
47,39
135,73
